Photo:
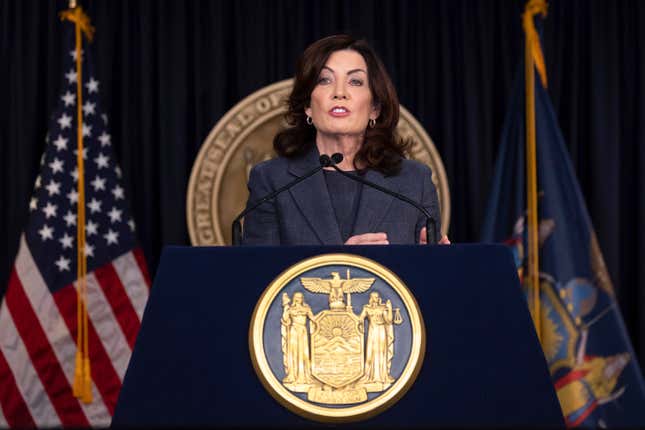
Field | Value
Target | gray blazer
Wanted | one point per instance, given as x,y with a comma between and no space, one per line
303,215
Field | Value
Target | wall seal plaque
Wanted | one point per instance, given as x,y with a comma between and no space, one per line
337,338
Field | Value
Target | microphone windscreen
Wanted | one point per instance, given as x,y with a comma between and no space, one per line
337,157
324,160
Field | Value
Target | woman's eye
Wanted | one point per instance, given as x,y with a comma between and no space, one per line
356,82
323,80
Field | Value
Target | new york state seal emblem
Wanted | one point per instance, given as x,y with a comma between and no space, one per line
336,338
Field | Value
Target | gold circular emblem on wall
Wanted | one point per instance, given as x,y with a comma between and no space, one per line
337,338
217,189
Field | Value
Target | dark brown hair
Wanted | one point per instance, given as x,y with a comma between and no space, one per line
382,149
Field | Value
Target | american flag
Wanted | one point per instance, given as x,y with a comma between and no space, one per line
38,324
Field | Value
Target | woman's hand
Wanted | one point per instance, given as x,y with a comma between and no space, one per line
368,239
423,241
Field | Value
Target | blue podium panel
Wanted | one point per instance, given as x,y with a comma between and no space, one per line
483,365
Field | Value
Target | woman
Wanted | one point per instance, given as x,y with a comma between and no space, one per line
342,102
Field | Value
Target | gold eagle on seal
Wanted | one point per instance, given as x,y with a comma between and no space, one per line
336,287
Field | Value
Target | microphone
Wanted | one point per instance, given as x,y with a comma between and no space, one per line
431,238
236,226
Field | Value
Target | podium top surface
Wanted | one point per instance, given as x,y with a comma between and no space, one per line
483,367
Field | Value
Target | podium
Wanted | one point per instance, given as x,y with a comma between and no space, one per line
483,363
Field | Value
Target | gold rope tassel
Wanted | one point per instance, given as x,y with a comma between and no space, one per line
533,59
82,386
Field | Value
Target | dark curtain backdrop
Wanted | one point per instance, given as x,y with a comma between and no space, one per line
170,69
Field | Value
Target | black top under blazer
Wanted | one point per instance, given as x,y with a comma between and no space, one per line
303,215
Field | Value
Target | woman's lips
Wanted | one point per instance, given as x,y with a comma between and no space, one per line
339,111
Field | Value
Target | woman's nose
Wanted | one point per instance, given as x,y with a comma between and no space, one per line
339,92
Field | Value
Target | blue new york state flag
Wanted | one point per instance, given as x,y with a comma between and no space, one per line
592,364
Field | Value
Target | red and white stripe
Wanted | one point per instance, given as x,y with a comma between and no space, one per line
3,421
38,342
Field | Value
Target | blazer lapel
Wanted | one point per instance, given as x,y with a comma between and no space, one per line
312,198
374,204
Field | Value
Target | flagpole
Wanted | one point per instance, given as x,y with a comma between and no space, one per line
82,385
532,52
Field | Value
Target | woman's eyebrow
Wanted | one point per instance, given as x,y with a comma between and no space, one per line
349,73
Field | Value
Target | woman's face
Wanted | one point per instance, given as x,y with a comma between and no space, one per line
341,102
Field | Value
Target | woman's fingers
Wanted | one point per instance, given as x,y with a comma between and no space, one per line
422,238
368,239
373,237
381,239
444,241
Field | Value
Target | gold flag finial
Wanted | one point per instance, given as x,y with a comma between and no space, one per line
535,7
76,15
